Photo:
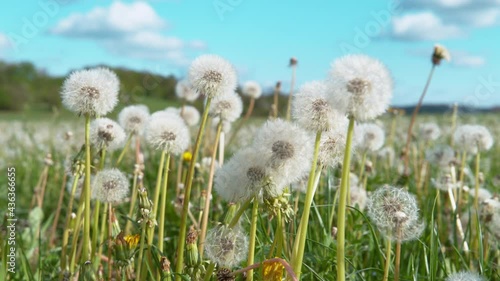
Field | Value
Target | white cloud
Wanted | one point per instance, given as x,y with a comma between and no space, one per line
129,29
118,18
464,59
423,26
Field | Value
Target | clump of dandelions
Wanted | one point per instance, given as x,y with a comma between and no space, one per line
106,134
167,132
184,91
252,89
212,75
473,138
91,91
133,118
395,210
111,186
369,137
429,131
287,146
360,86
227,107
312,110
226,246
465,276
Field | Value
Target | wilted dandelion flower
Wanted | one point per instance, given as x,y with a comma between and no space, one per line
106,134
190,114
465,276
440,53
369,137
184,91
133,118
167,132
332,146
441,155
429,131
111,186
226,246
360,86
91,91
242,177
212,75
252,89
393,209
312,110
473,138
287,146
227,107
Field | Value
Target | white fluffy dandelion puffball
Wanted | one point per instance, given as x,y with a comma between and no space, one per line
252,89
473,138
168,132
183,90
360,86
212,75
111,186
106,133
227,107
133,118
91,91
369,137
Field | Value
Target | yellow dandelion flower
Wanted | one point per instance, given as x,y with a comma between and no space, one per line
273,271
187,156
132,240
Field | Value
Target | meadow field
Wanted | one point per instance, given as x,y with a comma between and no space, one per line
323,189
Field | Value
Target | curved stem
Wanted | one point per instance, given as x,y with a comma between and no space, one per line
412,122
300,240
187,194
342,203
124,150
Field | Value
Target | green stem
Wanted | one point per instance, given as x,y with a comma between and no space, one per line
141,251
388,245
68,220
125,148
362,167
209,272
253,231
476,181
300,240
86,192
342,203
187,194
163,203
102,232
159,177
239,213
132,203
398,254
95,227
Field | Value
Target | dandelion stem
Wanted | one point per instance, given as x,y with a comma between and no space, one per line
253,232
159,178
125,148
187,193
300,240
413,118
68,220
239,213
102,232
141,250
342,203
292,84
388,246
132,201
86,192
362,166
163,203
209,272
206,207
398,253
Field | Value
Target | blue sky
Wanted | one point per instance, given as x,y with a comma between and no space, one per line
259,37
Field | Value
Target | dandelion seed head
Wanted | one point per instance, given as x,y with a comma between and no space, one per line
133,118
391,208
473,138
286,147
190,114
111,186
359,86
465,276
332,146
183,90
312,111
167,132
106,134
227,107
91,91
226,246
369,137
252,89
429,131
211,75
442,155
440,53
